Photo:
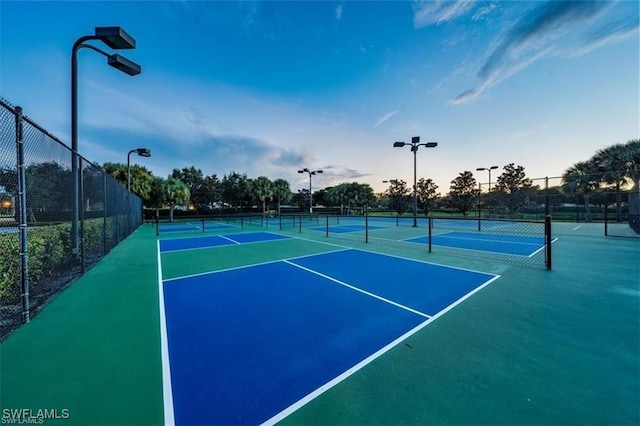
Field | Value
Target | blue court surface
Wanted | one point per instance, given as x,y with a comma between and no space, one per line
470,224
343,229
217,240
192,226
495,243
250,345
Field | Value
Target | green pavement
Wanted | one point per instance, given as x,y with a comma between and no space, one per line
535,347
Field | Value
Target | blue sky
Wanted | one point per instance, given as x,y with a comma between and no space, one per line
268,88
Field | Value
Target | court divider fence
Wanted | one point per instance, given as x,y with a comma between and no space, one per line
519,242
38,258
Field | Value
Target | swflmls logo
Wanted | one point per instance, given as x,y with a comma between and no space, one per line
24,416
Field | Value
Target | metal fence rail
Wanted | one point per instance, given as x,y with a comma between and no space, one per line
36,222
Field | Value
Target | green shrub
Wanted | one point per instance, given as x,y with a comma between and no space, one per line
9,266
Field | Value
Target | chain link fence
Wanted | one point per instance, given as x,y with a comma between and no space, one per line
36,222
589,200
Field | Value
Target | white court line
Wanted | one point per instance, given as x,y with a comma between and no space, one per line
577,227
222,246
541,248
309,397
391,302
252,265
167,393
229,239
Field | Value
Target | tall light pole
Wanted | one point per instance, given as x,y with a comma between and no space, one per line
115,38
142,152
311,173
415,144
479,169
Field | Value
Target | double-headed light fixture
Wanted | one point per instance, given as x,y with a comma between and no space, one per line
480,169
311,173
116,38
415,144
142,152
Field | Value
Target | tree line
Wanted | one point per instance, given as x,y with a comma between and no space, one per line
613,168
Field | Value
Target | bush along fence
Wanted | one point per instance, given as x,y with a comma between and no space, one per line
44,246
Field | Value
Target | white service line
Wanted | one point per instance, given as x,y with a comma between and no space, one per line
391,302
167,393
230,239
309,397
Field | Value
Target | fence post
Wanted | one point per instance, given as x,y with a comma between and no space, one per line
546,196
22,196
81,236
104,212
547,234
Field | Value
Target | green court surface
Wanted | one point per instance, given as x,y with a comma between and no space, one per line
535,347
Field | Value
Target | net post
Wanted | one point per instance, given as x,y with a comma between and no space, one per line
280,220
327,226
547,234
203,225
300,224
366,224
241,222
606,216
430,226
397,220
479,226
157,226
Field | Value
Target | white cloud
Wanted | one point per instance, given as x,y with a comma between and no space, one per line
550,29
438,11
384,118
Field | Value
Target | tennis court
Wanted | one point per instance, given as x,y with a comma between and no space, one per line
261,325
251,344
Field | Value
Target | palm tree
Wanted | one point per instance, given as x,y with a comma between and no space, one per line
351,194
262,188
337,195
281,191
176,193
580,179
611,162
